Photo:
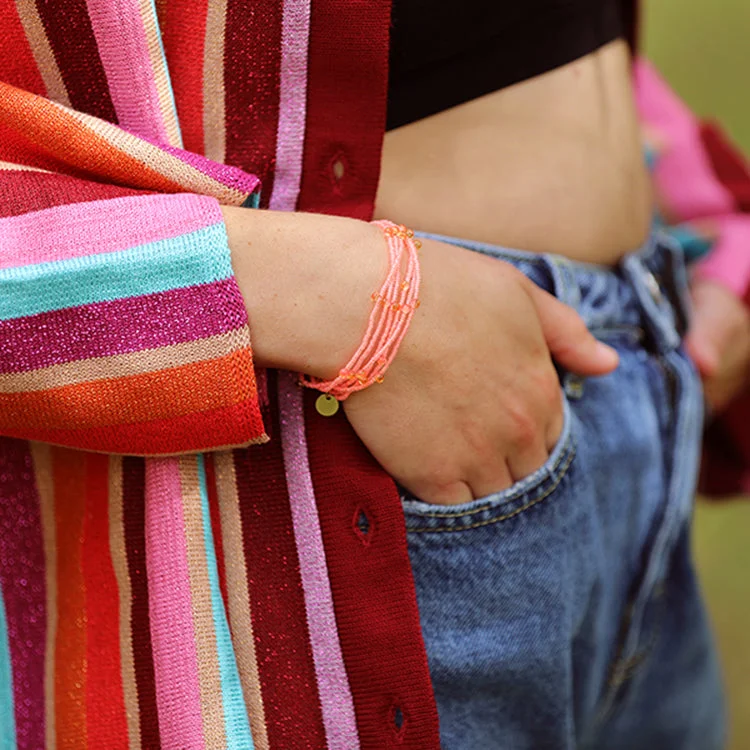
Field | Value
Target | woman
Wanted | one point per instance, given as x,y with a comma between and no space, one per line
263,596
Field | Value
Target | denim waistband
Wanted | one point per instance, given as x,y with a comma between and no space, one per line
647,289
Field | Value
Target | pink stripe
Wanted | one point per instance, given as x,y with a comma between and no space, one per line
333,685
172,635
123,49
226,174
290,137
102,226
133,324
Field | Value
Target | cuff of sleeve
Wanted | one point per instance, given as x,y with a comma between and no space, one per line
134,338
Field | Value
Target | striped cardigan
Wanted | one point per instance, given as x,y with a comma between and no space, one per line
182,559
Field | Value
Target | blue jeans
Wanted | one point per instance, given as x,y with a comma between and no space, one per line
564,612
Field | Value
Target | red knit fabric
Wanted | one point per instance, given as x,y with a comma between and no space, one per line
345,122
18,69
726,448
183,36
252,77
373,590
68,29
282,643
134,523
729,164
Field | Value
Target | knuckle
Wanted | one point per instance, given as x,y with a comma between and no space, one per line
525,426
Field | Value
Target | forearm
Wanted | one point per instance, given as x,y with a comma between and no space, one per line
306,280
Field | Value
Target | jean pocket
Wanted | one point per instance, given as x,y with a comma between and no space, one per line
499,506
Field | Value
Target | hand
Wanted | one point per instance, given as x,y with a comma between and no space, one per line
719,342
472,402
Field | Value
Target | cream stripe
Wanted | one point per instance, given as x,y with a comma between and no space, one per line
120,564
121,365
188,177
214,115
9,166
240,618
40,48
42,458
209,677
160,72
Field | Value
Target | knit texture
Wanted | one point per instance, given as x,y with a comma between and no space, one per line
182,559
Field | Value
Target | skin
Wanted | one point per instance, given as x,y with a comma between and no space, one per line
719,342
472,401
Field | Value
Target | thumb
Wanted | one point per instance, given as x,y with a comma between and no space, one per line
570,342
703,352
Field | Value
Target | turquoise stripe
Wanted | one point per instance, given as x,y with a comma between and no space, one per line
199,257
236,723
7,715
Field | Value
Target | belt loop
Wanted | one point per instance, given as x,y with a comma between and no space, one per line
564,280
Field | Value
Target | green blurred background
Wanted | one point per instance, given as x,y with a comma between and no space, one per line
702,47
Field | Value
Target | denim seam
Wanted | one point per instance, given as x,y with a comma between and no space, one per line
505,517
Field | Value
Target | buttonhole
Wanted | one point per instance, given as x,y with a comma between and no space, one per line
338,169
362,526
398,721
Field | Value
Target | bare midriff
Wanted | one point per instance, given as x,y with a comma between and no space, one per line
552,164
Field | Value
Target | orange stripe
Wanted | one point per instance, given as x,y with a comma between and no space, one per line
58,131
164,394
105,705
230,427
69,477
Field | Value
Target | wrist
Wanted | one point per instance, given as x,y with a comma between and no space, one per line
306,280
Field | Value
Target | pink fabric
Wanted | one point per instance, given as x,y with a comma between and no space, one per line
686,181
336,700
683,171
728,263
23,586
88,231
226,174
120,326
172,634
124,54
290,138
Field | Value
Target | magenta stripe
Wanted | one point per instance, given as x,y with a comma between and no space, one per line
172,634
24,590
121,40
102,226
336,700
120,326
290,136
226,174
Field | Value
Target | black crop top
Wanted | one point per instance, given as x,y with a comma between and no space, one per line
446,52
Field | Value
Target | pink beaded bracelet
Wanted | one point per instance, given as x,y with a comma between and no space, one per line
393,310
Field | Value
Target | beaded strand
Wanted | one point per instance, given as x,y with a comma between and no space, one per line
393,309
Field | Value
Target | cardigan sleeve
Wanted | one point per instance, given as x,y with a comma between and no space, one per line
122,328
688,185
